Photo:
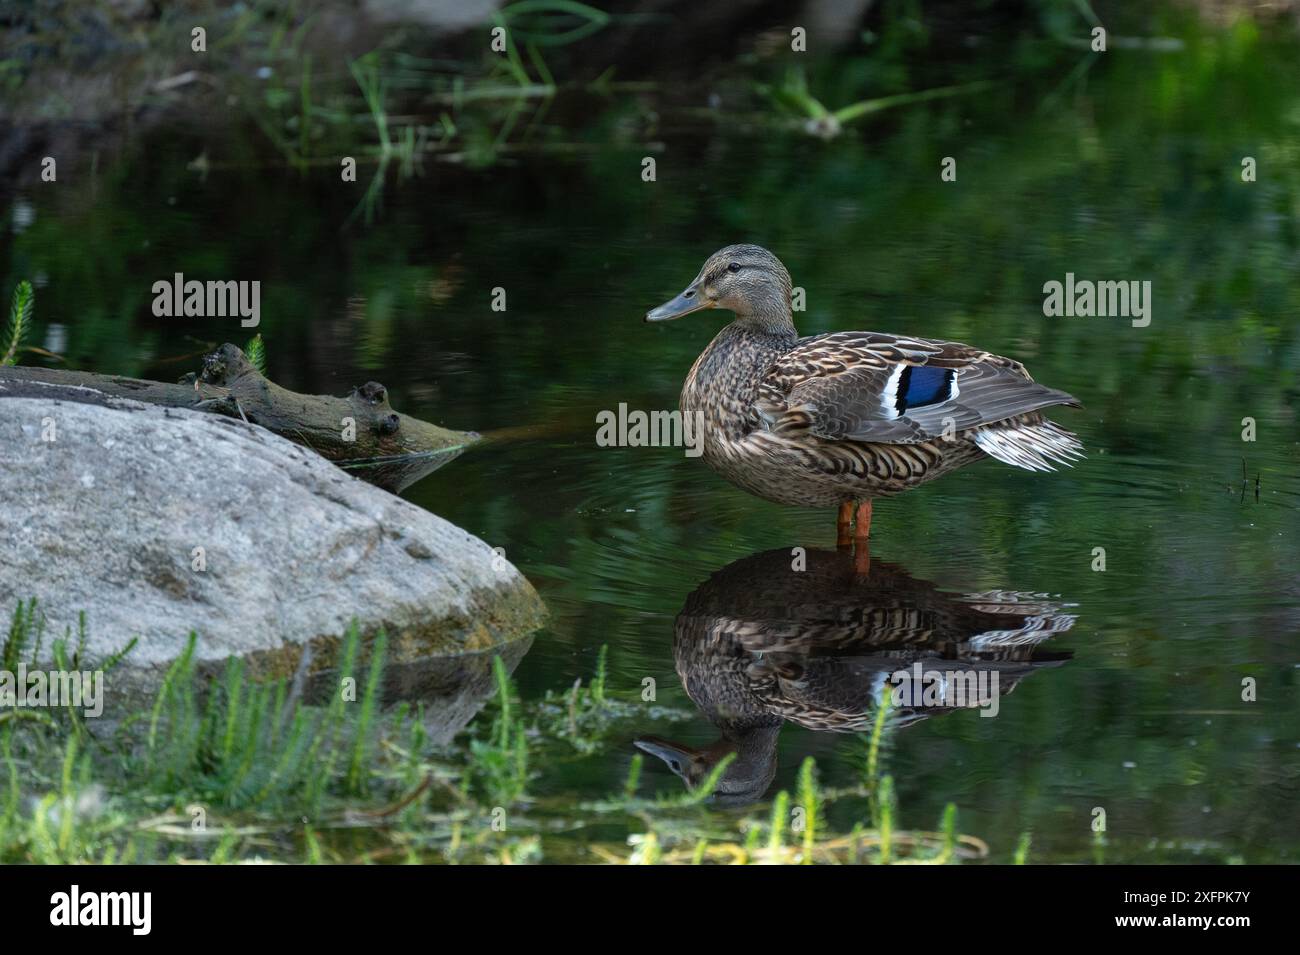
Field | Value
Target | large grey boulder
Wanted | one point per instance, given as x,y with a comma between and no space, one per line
105,510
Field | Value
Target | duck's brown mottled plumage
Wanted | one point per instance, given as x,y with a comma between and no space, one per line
832,419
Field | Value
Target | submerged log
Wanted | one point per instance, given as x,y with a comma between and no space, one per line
360,432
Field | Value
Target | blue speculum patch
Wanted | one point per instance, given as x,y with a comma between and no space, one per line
921,385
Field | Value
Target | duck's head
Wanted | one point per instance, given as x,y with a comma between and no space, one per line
744,279
743,782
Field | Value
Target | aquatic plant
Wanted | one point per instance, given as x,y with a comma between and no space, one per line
582,714
20,321
500,762
255,352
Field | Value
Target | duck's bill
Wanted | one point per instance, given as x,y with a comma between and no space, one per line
674,754
681,305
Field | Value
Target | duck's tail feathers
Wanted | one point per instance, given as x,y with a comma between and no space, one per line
1036,446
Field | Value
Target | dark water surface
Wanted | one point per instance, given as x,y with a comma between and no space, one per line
1134,176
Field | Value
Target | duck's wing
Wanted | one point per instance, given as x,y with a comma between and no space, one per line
889,389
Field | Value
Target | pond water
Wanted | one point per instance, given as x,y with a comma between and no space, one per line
1130,172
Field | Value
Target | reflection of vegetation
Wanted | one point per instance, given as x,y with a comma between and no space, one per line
792,95
477,103
552,22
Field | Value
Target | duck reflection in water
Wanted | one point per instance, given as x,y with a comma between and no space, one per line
813,636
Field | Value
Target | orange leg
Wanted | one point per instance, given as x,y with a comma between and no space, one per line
842,538
862,538
862,557
863,528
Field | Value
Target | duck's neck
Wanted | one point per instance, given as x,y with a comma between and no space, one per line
723,382
769,315
751,773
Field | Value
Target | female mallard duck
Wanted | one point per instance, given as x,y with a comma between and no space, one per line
842,418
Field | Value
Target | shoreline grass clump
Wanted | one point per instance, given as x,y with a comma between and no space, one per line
242,744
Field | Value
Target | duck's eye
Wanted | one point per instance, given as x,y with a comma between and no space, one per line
733,267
